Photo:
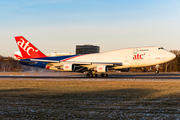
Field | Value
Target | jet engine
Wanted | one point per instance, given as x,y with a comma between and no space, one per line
102,68
65,67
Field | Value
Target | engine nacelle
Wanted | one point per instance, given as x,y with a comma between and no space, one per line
65,67
68,67
102,68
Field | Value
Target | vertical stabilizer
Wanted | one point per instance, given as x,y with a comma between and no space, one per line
27,49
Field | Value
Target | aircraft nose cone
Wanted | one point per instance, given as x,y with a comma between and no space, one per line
171,56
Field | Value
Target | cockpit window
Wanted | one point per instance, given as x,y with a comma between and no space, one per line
160,48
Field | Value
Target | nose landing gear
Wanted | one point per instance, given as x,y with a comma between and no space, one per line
157,69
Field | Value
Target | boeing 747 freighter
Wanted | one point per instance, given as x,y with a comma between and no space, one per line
121,59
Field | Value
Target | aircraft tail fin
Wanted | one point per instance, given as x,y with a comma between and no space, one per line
27,49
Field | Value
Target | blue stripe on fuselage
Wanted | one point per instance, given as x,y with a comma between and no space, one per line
42,64
56,58
33,63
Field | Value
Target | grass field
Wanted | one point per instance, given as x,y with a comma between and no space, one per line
43,99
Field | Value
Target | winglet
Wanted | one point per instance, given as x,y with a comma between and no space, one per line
27,49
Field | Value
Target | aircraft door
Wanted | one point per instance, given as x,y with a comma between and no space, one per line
135,50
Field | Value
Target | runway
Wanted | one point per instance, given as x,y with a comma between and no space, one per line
83,76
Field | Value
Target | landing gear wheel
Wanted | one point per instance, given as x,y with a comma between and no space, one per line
94,75
87,75
157,71
91,75
104,75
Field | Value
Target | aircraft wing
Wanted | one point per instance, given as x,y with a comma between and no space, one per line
83,66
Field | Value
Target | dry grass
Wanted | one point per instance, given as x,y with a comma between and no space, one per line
33,73
89,99
43,87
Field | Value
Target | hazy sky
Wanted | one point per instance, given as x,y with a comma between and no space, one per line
59,25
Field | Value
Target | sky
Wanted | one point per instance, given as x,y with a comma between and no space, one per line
60,25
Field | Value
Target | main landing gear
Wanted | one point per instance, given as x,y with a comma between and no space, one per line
104,75
91,74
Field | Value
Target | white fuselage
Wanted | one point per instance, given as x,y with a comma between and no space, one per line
129,57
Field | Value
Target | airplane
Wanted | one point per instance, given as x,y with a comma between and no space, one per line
119,60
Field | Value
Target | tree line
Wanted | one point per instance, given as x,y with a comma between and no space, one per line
8,64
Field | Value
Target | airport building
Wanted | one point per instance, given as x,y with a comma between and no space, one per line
87,49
